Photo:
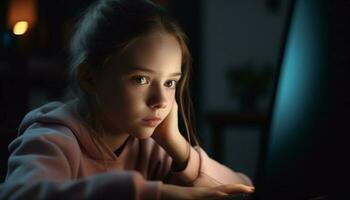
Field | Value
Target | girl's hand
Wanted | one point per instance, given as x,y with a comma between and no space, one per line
169,128
168,136
174,192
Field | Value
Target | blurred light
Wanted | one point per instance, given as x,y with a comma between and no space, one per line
22,10
20,28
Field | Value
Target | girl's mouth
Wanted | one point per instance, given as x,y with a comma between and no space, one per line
152,122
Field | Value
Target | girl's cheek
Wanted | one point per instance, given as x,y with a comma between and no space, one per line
171,95
132,93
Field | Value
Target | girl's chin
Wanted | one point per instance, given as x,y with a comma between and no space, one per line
144,133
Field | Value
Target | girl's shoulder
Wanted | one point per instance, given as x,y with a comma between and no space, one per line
60,124
54,114
52,127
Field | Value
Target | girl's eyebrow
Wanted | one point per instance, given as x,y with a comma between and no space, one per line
138,68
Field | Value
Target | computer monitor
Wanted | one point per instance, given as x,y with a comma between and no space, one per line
306,149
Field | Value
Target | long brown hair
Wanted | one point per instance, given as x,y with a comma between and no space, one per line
110,26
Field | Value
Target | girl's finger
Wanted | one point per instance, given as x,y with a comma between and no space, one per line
235,188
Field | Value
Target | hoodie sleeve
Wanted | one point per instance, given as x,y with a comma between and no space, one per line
44,163
201,170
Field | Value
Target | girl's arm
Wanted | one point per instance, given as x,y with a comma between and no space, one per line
201,170
191,165
44,164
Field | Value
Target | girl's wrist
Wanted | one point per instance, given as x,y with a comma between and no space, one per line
179,149
180,165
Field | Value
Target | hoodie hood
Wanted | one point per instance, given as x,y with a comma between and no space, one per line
67,114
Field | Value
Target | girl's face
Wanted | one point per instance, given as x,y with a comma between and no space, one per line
139,85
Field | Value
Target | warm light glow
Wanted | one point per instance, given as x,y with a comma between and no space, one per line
20,28
22,10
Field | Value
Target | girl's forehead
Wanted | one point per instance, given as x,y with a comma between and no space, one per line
153,51
155,43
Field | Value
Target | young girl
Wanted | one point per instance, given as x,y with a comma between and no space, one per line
120,138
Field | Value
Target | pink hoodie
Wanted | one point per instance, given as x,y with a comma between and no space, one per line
56,157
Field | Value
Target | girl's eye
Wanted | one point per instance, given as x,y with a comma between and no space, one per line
140,80
171,83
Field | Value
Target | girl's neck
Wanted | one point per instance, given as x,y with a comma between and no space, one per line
115,142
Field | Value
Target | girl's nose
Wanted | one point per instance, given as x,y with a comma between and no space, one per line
159,105
158,99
